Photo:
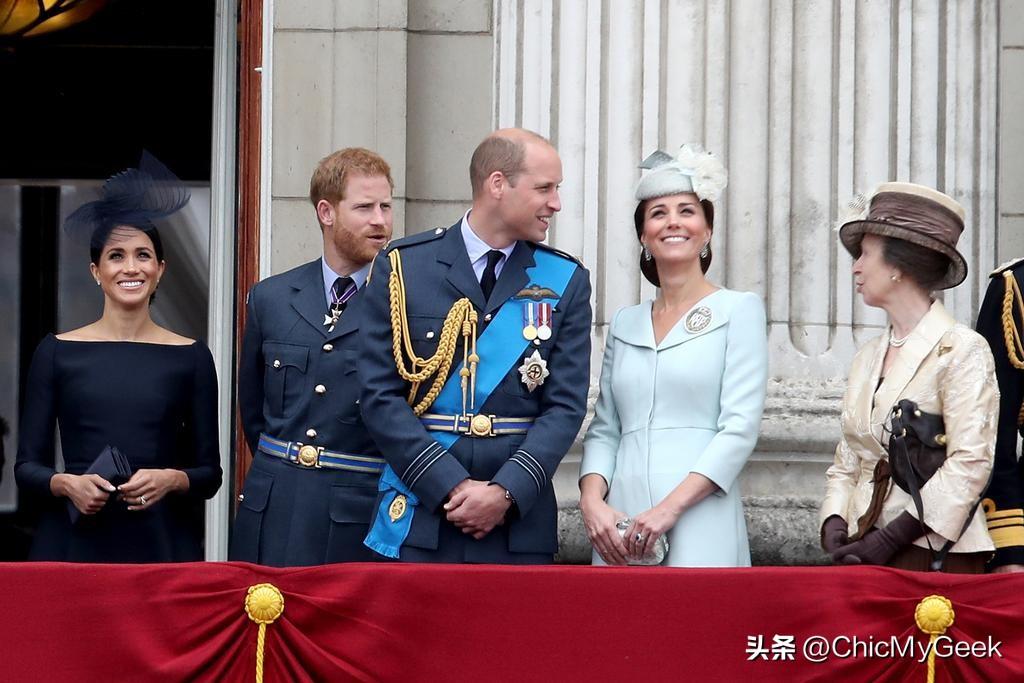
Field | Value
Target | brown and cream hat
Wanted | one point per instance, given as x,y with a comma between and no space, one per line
917,214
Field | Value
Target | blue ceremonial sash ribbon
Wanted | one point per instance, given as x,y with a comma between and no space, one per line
499,348
387,536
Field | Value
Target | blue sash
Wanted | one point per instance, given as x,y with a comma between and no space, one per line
499,348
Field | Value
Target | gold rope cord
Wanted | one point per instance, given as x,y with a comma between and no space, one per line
264,604
1011,335
933,615
461,318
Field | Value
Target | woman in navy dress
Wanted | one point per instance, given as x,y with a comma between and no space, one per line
122,381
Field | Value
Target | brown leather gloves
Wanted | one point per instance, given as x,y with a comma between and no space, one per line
876,547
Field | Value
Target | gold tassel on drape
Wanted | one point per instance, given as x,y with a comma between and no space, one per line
264,604
933,615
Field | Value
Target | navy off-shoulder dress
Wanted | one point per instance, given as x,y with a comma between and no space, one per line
158,404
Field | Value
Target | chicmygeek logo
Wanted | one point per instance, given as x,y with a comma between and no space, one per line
817,648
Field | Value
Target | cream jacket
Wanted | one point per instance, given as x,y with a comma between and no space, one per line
946,368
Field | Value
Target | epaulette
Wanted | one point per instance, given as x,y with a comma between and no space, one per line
1008,265
563,254
418,238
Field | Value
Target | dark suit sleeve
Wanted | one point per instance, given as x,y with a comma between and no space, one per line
1006,520
204,478
563,403
34,467
250,373
427,468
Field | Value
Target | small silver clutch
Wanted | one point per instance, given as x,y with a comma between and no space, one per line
655,555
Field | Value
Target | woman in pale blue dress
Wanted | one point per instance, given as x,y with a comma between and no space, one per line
682,388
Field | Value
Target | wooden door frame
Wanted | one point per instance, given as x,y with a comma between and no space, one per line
250,149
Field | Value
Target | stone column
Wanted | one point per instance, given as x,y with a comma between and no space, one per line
808,104
412,80
338,73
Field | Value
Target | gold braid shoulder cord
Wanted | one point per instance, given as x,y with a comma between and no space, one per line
461,317
1014,347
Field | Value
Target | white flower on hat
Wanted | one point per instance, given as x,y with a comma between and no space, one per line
692,170
707,174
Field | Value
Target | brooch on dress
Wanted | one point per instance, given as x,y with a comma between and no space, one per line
698,319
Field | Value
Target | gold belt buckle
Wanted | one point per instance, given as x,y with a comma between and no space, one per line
309,456
481,425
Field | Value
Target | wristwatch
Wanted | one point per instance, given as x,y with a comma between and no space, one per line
508,494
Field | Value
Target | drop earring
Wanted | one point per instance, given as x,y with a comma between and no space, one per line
647,254
705,250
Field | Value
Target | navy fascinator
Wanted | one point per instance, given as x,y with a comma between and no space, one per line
134,197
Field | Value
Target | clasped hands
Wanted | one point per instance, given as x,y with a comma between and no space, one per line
90,492
601,522
877,546
476,507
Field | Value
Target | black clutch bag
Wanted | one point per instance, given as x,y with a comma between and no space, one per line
112,465
917,446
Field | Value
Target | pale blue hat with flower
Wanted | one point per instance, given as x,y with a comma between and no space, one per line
691,170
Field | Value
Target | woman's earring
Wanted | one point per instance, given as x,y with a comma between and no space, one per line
97,282
705,250
895,278
647,253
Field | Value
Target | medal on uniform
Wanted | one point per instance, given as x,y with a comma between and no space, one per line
544,320
331,319
698,319
397,508
534,371
338,306
529,321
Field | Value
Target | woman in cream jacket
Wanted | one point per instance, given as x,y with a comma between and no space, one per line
905,246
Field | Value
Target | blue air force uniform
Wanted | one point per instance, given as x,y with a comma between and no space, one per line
1004,500
526,432
308,497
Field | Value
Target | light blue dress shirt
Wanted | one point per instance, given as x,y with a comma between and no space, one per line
358,277
477,250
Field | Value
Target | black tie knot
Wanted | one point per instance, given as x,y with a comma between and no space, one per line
490,275
340,287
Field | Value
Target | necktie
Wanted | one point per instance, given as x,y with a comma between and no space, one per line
489,277
341,291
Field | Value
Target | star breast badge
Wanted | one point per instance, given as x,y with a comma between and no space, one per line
534,370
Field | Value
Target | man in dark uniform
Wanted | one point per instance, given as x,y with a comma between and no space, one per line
1001,322
476,344
309,494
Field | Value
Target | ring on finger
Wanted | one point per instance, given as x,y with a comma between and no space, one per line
142,500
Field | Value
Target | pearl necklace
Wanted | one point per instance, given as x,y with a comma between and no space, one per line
897,342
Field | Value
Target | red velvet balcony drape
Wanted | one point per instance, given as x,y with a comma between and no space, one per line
65,622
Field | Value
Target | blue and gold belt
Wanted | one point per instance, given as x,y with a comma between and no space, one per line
316,457
476,425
